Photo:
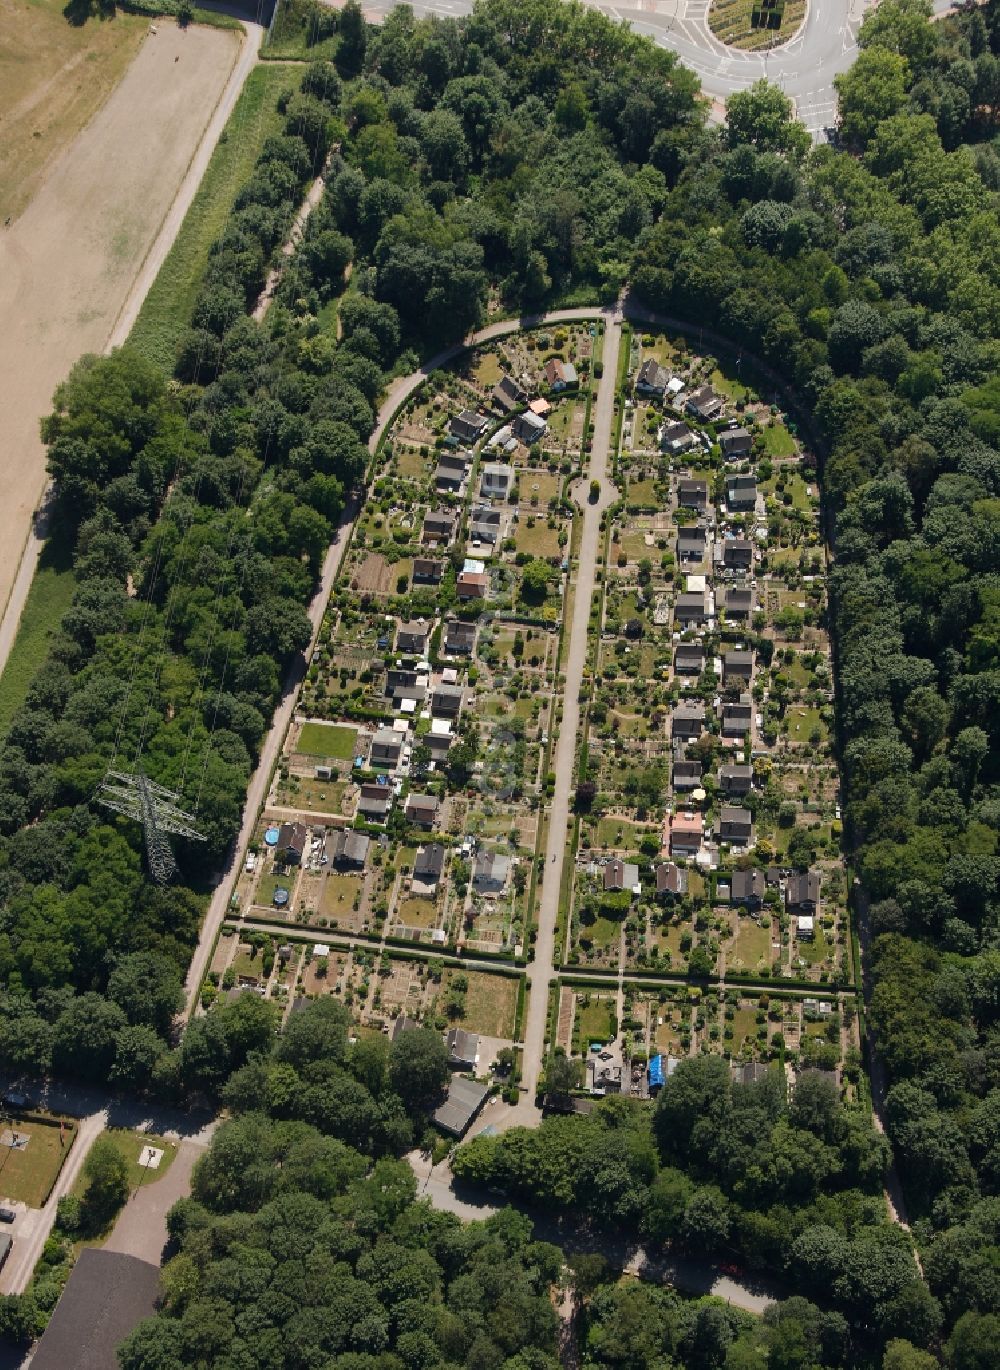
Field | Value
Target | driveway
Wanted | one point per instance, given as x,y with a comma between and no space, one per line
141,1229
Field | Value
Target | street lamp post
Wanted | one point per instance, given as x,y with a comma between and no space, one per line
145,1161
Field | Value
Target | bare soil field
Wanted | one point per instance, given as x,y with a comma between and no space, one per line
54,76
68,264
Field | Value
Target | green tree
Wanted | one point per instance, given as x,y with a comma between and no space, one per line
418,1068
106,1173
870,92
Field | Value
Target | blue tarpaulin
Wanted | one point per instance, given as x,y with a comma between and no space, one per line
655,1073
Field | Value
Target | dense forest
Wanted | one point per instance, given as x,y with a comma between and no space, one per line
536,153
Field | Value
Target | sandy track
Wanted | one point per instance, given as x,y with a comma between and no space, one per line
68,265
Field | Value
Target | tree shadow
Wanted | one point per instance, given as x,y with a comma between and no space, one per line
77,12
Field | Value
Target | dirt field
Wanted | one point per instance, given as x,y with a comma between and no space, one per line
68,263
54,76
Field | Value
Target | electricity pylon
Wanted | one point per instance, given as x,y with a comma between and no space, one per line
156,808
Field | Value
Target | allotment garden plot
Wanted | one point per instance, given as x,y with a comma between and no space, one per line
709,835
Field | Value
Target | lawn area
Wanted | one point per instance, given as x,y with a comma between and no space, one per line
778,442
490,1002
539,541
538,485
132,1146
602,933
796,487
328,740
617,832
248,962
319,796
802,721
731,22
418,913
816,950
48,599
488,369
339,892
642,494
728,386
27,1176
268,884
752,946
744,1030
56,75
593,1020
412,465
167,308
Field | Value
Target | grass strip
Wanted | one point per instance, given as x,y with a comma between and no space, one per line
167,309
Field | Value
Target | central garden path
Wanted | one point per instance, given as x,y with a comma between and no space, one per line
541,969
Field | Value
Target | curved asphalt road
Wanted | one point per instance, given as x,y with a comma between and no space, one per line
804,67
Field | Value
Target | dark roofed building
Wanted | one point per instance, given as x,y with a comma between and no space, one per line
671,880
652,378
802,891
736,443
692,494
489,872
737,553
691,538
106,1296
741,492
467,426
737,779
422,809
688,719
689,658
427,571
350,848
738,601
620,876
737,665
446,701
460,638
404,1024
387,746
691,607
749,1072
412,637
735,824
428,864
529,427
463,1049
704,403
439,526
291,843
676,437
686,775
737,719
472,584
484,524
451,471
748,888
507,395
374,802
465,1099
